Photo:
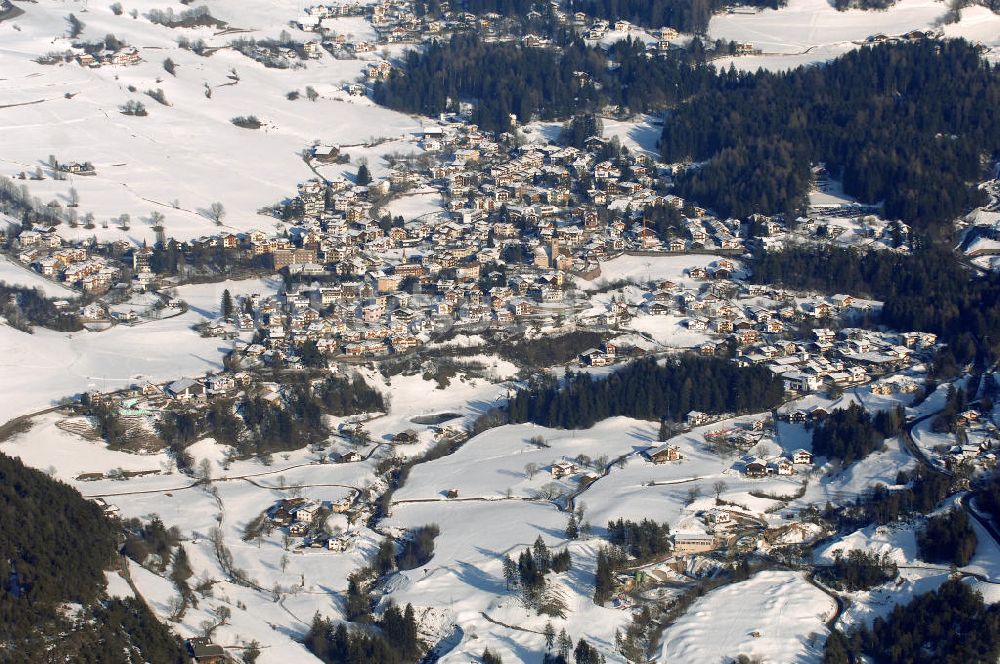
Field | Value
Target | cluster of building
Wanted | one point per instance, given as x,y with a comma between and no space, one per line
517,223
73,263
128,55
146,398
298,516
319,18
399,22
756,467
851,357
396,281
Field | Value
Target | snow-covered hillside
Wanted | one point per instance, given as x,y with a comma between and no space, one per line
184,156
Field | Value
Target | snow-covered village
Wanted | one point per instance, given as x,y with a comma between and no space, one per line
499,331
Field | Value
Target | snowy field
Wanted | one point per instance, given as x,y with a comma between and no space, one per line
644,269
809,31
14,274
638,135
776,616
668,331
414,205
465,577
41,368
185,156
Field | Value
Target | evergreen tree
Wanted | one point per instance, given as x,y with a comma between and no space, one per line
561,561
510,572
835,650
604,583
550,635
364,176
587,654
948,538
572,530
358,603
490,657
543,558
645,389
227,304
565,644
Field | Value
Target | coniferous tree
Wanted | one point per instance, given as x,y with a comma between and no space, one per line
835,650
565,644
364,176
510,572
543,558
490,657
227,304
572,530
604,583
550,635
584,653
948,538
561,561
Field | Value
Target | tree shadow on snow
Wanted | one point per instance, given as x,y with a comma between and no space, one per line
475,577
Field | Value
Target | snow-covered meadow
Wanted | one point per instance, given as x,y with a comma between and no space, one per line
809,31
186,155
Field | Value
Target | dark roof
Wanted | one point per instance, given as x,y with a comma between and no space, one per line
205,648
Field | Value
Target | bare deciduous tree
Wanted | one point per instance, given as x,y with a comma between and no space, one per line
216,212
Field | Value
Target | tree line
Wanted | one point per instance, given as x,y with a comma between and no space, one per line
947,538
858,570
950,624
645,389
505,79
548,351
258,425
850,434
642,540
927,290
26,307
906,124
54,550
394,642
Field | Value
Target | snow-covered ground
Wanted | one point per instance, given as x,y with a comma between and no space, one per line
809,31
776,616
41,368
14,274
638,135
643,269
188,153
668,331
413,205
